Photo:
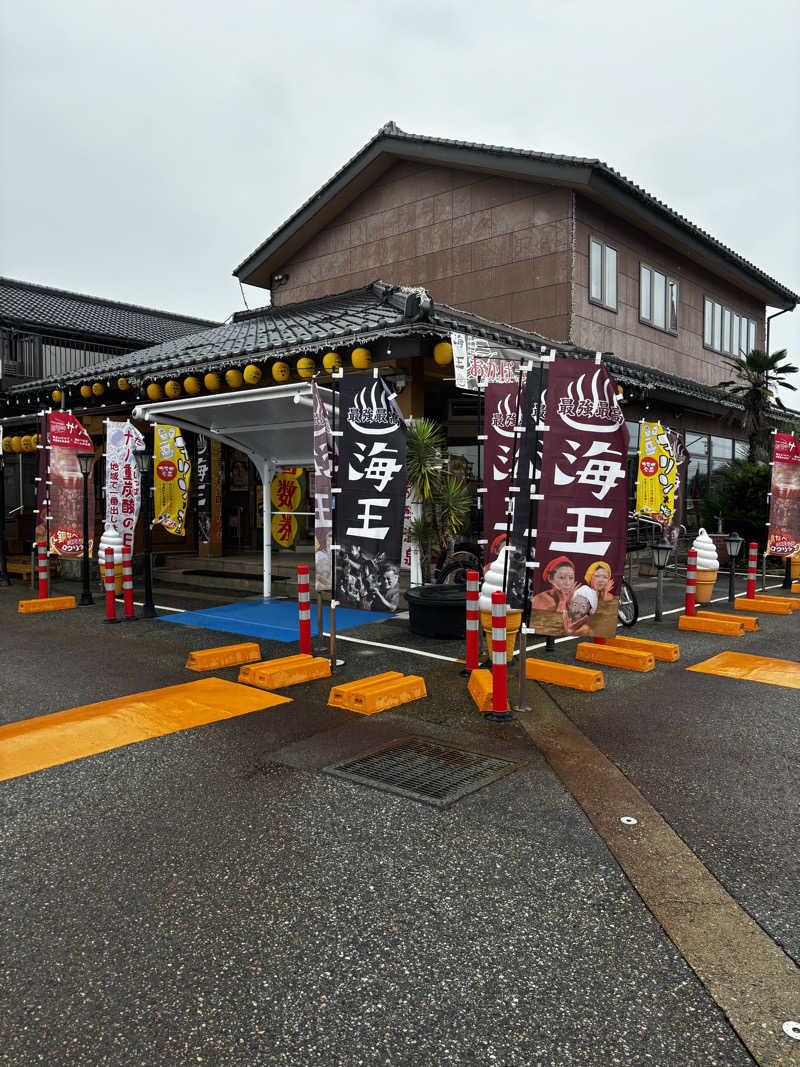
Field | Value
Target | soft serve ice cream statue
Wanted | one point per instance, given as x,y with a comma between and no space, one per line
707,565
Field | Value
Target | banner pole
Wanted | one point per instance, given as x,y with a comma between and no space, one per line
334,522
511,477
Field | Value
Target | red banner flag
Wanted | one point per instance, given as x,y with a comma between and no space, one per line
499,420
784,505
582,518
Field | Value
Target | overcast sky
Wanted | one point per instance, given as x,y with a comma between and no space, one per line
148,147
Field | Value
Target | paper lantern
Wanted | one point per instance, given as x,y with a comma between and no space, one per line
154,391
28,444
16,444
361,358
443,353
252,374
306,367
7,444
212,382
192,385
56,396
172,388
280,371
98,388
331,361
86,392
123,385
233,378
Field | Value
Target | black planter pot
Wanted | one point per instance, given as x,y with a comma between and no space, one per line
438,610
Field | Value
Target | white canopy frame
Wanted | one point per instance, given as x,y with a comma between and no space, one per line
273,426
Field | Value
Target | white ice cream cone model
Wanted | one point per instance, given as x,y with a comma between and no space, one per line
493,580
707,566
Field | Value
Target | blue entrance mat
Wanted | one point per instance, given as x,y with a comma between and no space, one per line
275,620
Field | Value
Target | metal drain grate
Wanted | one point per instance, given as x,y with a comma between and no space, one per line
423,770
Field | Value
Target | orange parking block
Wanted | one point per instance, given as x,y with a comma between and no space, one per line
766,606
480,689
583,678
288,670
627,659
795,588
665,651
214,659
46,603
792,602
378,692
711,626
49,740
750,622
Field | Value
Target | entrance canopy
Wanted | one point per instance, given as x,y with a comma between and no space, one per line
273,427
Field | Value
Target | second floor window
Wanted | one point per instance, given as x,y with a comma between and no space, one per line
658,299
602,274
727,331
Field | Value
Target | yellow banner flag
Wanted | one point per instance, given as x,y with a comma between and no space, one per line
171,470
657,475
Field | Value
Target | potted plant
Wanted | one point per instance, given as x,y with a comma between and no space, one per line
443,501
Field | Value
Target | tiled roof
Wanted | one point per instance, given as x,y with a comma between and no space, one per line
393,140
308,326
25,305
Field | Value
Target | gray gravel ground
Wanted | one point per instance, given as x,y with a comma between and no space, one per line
209,897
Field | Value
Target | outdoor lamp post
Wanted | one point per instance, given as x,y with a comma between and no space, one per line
733,543
661,553
144,461
86,462
4,579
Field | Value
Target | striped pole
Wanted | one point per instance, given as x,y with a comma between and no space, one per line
111,603
752,570
43,568
691,581
499,712
473,621
127,585
304,609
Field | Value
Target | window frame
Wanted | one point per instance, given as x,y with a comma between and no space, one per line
601,303
668,282
747,326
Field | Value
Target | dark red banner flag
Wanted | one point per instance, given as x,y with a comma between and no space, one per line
499,420
582,517
784,504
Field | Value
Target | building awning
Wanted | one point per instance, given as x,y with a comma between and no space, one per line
273,427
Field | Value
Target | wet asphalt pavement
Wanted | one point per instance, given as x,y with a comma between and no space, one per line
210,897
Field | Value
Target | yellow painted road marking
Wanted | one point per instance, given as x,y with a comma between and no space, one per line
752,668
50,740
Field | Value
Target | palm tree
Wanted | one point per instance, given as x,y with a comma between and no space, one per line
444,497
757,377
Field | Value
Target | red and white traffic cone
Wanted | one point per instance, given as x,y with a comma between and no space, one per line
127,586
691,582
500,711
304,609
473,622
43,567
111,602
752,570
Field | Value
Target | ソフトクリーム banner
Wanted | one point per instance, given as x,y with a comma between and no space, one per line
171,470
784,504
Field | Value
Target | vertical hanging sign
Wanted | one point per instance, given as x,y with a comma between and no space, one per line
499,422
582,518
203,489
372,481
657,478
323,513
67,437
784,504
171,470
122,479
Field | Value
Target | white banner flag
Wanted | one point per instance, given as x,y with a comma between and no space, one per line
122,479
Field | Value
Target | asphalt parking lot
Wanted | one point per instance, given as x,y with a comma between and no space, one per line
209,896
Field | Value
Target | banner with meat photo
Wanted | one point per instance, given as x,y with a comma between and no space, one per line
499,420
784,503
66,437
323,512
371,502
582,519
